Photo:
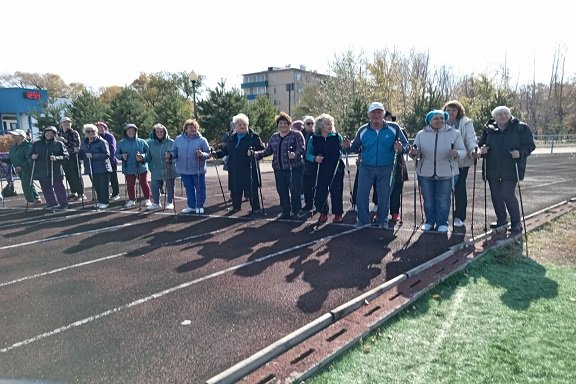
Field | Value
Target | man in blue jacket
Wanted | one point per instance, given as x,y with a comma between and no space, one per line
378,141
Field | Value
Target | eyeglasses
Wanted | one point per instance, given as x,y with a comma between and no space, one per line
90,131
310,123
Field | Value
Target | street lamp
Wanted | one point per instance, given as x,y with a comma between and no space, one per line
289,89
194,78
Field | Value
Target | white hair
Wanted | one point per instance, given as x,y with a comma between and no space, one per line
501,110
241,117
308,118
89,127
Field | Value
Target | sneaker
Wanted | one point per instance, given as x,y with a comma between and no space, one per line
153,206
516,227
188,210
61,207
427,227
51,206
102,206
147,203
129,204
374,209
443,229
169,206
114,197
199,211
337,219
395,217
37,202
458,222
498,224
72,196
299,215
323,218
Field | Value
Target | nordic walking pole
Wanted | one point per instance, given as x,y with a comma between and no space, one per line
220,182
453,185
260,185
522,208
81,180
316,184
91,178
2,188
31,181
251,180
348,170
415,180
474,190
485,176
169,177
165,174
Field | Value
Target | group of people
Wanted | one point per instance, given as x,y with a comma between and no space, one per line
309,159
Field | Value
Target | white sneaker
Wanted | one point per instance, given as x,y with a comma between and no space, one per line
458,222
129,204
102,206
188,210
426,227
147,203
169,206
199,211
114,197
153,206
443,229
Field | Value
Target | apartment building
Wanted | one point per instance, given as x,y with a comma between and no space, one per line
282,86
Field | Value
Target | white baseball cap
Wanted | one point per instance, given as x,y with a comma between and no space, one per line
376,105
18,132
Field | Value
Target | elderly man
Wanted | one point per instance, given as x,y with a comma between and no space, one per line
71,139
379,141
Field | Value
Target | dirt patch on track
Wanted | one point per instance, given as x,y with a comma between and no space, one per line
555,242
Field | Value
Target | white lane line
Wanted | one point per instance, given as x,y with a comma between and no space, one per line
51,219
61,269
107,229
168,291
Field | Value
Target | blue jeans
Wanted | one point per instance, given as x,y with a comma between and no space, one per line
436,194
155,185
289,190
367,177
195,190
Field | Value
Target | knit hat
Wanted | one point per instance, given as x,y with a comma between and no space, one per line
433,113
51,129
130,126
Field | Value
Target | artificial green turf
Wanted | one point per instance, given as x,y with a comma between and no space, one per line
504,319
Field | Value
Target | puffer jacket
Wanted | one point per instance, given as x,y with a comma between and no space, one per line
131,146
466,129
434,146
43,168
499,163
157,161
18,155
184,152
100,161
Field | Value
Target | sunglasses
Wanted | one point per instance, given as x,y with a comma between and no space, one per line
309,123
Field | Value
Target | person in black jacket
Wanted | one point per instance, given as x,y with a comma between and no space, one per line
47,157
505,144
310,168
401,175
242,169
95,152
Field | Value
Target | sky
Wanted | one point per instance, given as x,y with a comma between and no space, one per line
103,43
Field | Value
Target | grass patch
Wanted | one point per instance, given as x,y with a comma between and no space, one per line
504,319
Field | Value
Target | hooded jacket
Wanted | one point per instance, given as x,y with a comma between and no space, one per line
466,129
184,152
43,167
18,156
132,146
157,161
499,163
434,146
100,161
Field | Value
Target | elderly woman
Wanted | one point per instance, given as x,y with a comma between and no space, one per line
191,150
161,170
47,156
242,171
458,119
324,149
287,145
18,157
505,144
95,153
437,146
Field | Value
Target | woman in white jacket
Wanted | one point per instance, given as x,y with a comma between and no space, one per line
437,146
457,118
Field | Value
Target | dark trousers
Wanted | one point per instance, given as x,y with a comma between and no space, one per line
460,195
395,198
289,186
333,186
100,183
503,194
72,170
251,194
28,188
54,193
355,190
114,180
308,182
